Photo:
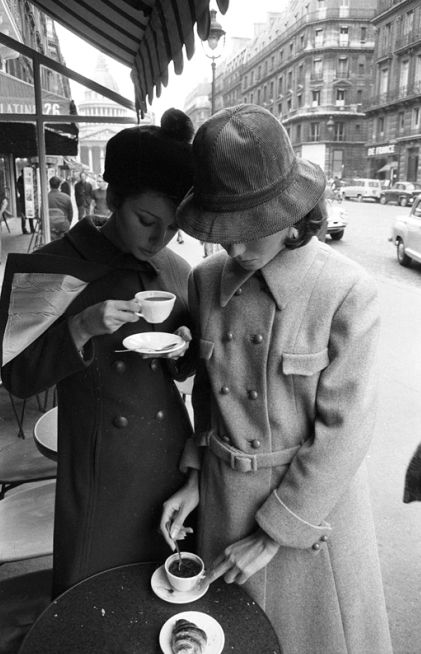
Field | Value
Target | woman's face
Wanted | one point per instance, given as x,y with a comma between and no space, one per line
144,224
254,255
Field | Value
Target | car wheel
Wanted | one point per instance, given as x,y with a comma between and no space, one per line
383,199
403,202
359,198
337,236
403,258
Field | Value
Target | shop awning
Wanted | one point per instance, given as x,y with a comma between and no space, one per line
20,139
145,35
388,167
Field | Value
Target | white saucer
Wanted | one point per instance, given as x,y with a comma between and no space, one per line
210,626
152,342
161,587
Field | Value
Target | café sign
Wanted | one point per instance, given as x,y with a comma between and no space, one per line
51,108
381,149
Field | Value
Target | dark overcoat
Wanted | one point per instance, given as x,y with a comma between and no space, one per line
284,406
122,426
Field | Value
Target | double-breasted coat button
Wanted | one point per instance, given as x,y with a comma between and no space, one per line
238,291
226,439
324,538
224,390
120,422
154,365
160,415
257,339
229,336
119,366
253,395
315,547
256,444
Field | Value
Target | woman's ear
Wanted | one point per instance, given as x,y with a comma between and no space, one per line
293,233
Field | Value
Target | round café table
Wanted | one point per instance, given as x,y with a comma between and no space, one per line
116,612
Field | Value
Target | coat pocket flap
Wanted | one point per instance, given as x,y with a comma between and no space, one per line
206,348
304,364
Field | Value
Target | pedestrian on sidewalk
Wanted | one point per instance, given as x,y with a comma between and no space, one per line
284,396
83,196
20,187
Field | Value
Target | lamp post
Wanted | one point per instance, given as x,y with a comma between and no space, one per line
214,39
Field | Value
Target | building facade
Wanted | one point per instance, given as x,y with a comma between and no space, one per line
394,110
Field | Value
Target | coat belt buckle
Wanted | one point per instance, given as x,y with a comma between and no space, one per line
243,463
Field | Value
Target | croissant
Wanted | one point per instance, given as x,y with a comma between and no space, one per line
188,638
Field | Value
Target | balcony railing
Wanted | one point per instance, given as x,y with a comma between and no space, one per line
401,93
408,39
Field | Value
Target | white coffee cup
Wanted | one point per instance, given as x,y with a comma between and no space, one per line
184,584
155,306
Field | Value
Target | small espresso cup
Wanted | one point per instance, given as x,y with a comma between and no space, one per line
155,306
187,577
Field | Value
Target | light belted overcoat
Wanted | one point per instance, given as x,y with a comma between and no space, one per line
284,404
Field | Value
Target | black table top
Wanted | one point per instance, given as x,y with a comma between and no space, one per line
116,612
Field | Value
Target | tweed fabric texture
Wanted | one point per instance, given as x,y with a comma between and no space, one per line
248,182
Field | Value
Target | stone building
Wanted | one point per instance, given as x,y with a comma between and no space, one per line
394,110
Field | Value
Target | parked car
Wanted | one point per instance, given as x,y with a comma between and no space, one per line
402,193
406,235
362,188
336,223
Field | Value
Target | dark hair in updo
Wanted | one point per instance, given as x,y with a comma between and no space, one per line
150,158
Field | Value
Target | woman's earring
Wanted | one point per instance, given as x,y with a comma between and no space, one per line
293,233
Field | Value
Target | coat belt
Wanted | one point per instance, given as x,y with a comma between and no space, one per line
242,462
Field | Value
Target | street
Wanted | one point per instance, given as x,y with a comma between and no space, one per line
398,427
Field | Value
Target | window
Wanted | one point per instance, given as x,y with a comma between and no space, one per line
416,118
289,84
280,85
363,34
342,66
338,157
339,132
387,32
272,62
318,38
298,132
403,82
343,36
299,100
300,78
401,121
417,73
252,77
281,56
289,104
259,72
271,91
340,97
265,93
380,125
317,68
315,98
258,96
408,23
384,80
302,44
314,131
359,96
291,48
361,67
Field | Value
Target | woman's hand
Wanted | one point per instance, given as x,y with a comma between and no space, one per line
102,318
185,334
244,558
177,508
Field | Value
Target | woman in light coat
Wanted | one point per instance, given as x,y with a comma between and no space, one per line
284,397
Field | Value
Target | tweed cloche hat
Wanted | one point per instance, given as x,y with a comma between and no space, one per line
248,182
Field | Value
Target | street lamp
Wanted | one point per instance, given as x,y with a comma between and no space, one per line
214,39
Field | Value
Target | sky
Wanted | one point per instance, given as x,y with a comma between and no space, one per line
238,21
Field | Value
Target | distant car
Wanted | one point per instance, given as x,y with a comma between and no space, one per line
336,214
362,188
403,193
406,235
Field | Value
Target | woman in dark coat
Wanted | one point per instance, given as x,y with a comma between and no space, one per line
122,425
284,396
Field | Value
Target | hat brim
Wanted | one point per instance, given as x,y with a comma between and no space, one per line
269,217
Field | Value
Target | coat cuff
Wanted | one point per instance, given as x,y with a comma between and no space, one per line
287,528
191,457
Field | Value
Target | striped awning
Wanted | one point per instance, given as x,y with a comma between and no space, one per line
145,35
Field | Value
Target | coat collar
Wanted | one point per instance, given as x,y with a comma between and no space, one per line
283,275
94,246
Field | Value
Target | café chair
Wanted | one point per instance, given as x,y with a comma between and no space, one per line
21,463
26,522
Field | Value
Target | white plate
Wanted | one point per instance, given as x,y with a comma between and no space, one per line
151,342
161,587
210,626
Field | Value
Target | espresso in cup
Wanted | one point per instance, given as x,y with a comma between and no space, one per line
155,306
187,575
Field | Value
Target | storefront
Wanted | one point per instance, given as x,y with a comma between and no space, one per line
383,161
